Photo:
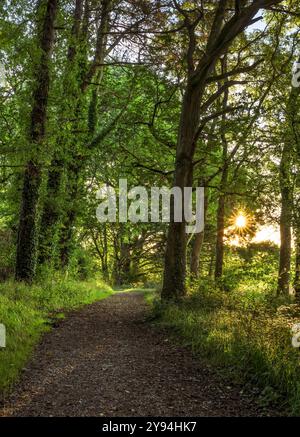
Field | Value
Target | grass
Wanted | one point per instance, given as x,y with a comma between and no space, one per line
245,334
27,312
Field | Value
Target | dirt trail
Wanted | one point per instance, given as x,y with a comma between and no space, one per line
105,360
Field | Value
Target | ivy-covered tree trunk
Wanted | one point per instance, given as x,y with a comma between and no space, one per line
28,224
52,208
66,237
73,164
79,157
26,253
50,215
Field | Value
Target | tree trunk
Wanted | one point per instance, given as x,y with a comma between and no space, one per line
221,224
66,240
285,222
125,262
75,32
52,208
175,257
26,253
297,266
64,223
296,226
197,243
220,237
28,224
105,270
211,261
51,212
223,187
286,202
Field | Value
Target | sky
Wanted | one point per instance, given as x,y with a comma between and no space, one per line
259,25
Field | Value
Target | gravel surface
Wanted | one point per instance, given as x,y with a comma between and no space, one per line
106,360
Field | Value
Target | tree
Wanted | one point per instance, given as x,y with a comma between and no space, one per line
222,32
26,256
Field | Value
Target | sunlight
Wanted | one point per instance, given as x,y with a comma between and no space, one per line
267,233
241,221
240,225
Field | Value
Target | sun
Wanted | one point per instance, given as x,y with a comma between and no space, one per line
240,221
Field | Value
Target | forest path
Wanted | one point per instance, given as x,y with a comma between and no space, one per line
106,360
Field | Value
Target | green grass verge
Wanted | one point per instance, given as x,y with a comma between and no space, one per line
27,312
246,336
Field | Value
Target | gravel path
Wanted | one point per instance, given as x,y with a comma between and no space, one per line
106,360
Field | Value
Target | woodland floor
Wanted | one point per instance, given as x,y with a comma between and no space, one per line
107,360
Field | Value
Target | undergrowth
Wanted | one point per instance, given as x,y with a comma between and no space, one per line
28,311
246,334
